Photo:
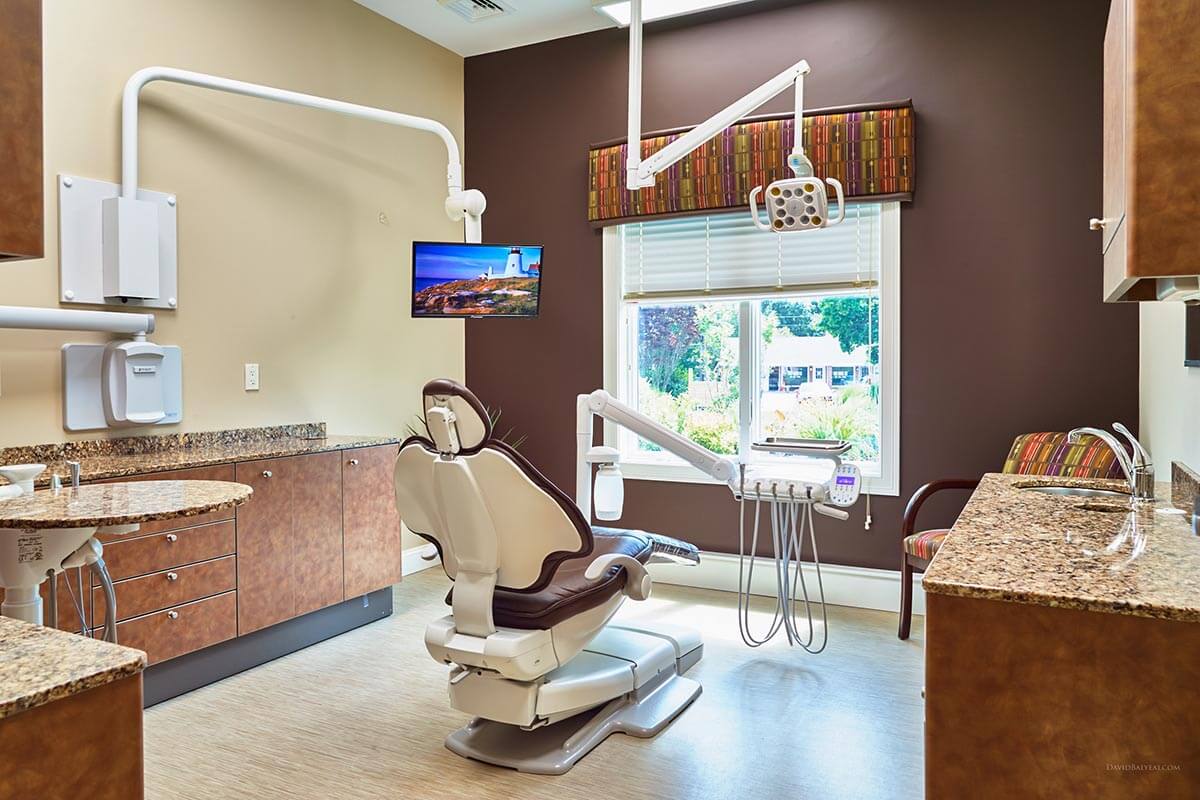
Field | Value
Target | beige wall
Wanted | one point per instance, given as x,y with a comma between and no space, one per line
284,256
1170,392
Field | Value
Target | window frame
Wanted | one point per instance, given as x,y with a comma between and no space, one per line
620,357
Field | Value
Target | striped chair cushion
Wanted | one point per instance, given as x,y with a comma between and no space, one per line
926,543
1052,454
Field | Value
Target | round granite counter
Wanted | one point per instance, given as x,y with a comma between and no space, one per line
119,503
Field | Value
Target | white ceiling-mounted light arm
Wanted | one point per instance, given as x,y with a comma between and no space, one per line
467,205
808,210
640,174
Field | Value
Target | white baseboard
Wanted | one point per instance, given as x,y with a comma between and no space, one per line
857,587
412,561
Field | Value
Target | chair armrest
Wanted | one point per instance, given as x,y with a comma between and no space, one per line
924,493
637,580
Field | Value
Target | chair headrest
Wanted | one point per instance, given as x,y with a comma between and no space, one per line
472,424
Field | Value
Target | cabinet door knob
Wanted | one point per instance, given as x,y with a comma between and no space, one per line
172,576
172,615
171,537
353,462
267,473
1097,223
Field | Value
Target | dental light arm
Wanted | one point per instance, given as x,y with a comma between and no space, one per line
640,174
792,204
465,205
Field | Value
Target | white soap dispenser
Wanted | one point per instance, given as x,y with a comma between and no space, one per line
132,382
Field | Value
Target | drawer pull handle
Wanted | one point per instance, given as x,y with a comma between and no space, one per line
172,615
267,473
172,576
354,462
172,537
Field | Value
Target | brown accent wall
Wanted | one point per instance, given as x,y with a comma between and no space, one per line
1002,326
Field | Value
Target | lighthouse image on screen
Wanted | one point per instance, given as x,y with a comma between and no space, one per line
452,279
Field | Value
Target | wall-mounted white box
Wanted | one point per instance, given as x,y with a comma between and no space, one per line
130,243
83,386
81,263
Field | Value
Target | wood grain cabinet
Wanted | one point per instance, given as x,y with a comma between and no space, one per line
289,538
317,532
266,590
183,629
21,208
370,522
319,529
1149,236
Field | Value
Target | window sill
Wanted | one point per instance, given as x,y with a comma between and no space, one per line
684,473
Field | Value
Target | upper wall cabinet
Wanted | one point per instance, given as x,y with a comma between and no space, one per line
21,129
1149,231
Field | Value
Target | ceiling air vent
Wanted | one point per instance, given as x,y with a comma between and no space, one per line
476,10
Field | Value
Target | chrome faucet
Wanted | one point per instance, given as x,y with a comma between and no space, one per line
1138,469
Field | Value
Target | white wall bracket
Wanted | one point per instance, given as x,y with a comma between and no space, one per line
81,244
83,398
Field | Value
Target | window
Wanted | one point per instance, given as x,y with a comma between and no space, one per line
728,335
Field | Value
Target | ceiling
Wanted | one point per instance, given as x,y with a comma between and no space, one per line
530,21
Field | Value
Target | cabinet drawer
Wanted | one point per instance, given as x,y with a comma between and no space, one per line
128,558
137,596
220,472
183,629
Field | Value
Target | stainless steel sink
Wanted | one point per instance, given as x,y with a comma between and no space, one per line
1076,491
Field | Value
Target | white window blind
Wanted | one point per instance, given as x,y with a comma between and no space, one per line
725,254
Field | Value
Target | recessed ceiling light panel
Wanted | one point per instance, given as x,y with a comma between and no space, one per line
618,10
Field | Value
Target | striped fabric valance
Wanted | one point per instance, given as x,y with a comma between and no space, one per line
868,148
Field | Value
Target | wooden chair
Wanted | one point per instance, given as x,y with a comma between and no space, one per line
1031,454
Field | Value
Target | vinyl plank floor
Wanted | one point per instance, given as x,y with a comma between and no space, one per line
363,715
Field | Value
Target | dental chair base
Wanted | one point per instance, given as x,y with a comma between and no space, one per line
626,680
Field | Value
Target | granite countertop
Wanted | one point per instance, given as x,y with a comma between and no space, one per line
120,465
119,503
1031,547
39,665
104,459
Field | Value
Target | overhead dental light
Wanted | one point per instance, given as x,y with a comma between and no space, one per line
619,11
792,204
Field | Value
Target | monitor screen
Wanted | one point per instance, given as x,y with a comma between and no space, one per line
452,279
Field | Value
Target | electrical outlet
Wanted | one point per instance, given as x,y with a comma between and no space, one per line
251,377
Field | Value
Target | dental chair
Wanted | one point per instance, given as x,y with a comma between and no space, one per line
533,654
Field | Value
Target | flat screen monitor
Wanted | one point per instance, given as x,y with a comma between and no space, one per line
453,279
